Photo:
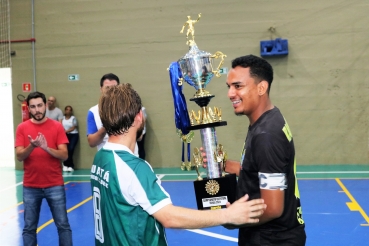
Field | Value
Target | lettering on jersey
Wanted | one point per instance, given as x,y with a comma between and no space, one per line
297,192
106,176
100,175
99,232
299,215
287,131
99,171
297,195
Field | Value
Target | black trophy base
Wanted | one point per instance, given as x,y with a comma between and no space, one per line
207,197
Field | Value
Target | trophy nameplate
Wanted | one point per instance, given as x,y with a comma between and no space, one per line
215,193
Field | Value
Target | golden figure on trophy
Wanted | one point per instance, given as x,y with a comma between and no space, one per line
190,29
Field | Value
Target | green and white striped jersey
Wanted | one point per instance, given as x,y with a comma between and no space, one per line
126,192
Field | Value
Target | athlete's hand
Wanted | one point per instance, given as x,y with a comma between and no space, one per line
204,160
243,211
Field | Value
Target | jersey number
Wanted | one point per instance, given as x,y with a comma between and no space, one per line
99,233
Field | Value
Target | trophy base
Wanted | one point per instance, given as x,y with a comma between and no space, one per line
226,188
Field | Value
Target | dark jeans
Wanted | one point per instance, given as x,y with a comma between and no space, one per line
73,140
55,197
141,148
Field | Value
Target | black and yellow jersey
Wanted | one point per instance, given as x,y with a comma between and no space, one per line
268,162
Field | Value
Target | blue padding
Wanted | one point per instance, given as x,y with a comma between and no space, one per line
275,47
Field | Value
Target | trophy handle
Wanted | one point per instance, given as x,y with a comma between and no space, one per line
220,55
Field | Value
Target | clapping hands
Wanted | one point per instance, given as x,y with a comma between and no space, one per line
39,141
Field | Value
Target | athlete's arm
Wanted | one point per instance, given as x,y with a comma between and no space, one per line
274,199
96,138
275,204
272,186
272,178
240,212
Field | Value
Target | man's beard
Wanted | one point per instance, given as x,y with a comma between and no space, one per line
140,130
38,113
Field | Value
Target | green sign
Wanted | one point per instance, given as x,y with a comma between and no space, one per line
73,77
223,70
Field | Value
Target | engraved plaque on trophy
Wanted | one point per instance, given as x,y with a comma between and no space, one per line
197,69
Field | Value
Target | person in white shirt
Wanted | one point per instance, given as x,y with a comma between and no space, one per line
69,122
96,133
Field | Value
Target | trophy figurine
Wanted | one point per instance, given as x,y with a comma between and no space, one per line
198,162
221,157
196,68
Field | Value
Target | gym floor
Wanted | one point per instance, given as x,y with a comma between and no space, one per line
334,201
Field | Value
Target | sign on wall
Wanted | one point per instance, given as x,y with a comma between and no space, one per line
26,87
73,77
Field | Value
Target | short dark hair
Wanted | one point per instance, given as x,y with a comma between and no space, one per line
68,106
118,107
109,76
34,95
259,68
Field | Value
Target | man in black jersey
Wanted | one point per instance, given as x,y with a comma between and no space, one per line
267,168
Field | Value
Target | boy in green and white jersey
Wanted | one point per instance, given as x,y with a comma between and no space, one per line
130,192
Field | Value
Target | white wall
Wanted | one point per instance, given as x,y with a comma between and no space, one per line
6,121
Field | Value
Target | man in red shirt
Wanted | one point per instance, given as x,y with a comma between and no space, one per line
41,144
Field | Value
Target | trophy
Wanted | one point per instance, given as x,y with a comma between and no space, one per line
196,68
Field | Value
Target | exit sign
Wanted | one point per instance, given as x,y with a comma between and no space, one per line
223,70
73,77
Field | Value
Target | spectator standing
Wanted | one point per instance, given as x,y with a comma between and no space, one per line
41,143
96,133
70,126
52,111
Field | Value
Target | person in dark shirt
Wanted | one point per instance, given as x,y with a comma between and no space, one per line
267,168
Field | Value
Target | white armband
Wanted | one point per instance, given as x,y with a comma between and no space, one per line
273,181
